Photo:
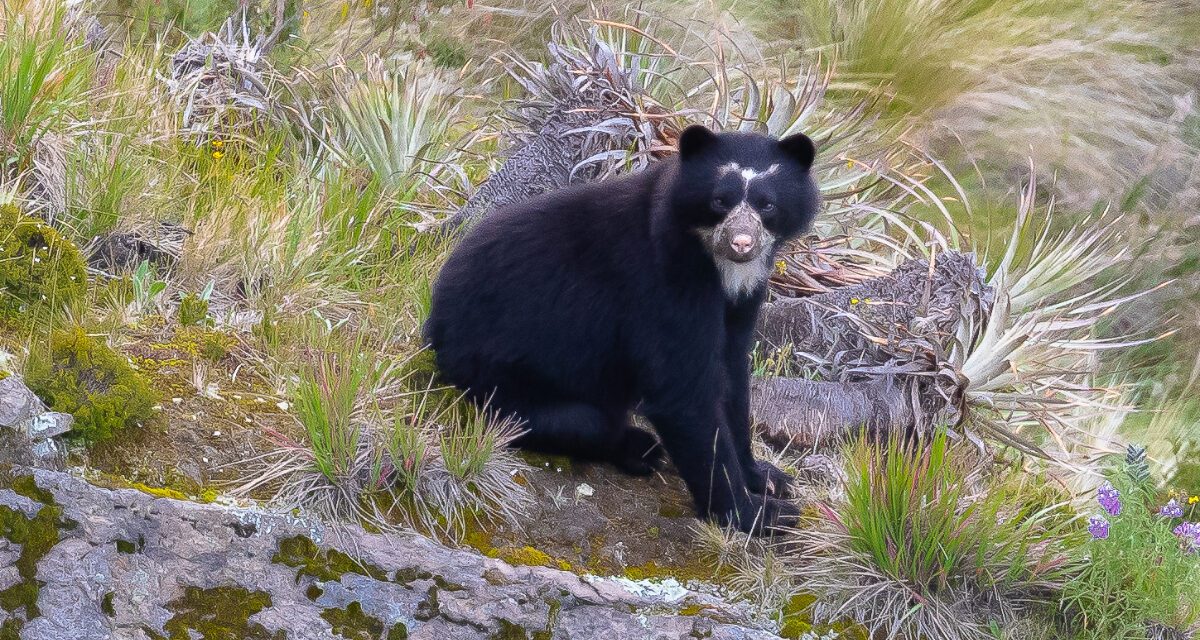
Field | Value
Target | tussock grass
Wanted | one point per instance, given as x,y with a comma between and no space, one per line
923,547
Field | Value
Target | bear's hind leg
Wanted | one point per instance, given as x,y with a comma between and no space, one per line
584,431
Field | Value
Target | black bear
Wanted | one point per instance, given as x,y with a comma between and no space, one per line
640,293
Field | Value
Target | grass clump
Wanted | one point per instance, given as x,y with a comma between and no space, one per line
38,266
80,375
912,550
1141,577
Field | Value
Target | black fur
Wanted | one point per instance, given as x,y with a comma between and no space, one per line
575,308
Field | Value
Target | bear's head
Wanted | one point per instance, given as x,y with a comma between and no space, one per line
744,194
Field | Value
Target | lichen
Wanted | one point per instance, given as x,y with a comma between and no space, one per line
82,376
39,268
352,623
329,564
220,613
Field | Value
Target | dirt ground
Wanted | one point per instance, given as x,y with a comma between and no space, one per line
216,415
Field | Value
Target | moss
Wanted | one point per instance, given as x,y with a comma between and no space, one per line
398,632
11,629
654,571
193,310
85,378
313,592
429,608
795,620
221,613
38,266
528,556
509,631
352,623
158,492
36,536
27,486
127,547
328,564
106,604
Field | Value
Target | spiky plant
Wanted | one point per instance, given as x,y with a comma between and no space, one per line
220,82
392,119
921,547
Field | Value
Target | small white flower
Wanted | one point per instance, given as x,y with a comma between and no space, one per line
283,405
176,400
584,490
217,433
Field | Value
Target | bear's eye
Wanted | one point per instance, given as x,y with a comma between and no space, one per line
721,202
767,207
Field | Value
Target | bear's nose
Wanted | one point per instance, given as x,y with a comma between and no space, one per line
742,243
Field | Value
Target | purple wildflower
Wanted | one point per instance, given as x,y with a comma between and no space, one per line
1171,510
1098,527
1109,498
1189,534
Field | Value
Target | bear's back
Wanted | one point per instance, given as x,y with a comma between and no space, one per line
546,284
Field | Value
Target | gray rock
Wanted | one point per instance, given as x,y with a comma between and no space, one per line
17,402
48,425
94,588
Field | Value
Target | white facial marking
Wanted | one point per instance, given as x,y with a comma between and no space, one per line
740,278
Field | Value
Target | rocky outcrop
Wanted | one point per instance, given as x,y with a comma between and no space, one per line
86,562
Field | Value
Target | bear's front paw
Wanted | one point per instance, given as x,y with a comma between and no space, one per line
638,453
769,480
774,517
763,515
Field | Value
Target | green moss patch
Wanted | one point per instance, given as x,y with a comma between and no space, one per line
221,613
37,536
353,624
38,266
82,376
328,564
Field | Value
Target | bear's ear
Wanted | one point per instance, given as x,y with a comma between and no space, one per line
695,140
800,148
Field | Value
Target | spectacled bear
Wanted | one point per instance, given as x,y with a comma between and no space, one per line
641,293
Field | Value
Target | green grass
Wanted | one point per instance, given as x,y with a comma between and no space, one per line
924,547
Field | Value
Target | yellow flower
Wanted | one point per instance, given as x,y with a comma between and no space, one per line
780,267
854,300
218,154
218,143
1193,499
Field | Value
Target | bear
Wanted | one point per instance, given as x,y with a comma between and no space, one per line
574,309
